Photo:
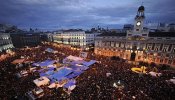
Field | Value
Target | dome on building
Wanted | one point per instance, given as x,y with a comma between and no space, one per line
141,8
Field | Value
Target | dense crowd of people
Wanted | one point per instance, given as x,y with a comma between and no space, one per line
93,84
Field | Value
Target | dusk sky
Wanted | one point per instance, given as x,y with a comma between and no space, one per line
57,14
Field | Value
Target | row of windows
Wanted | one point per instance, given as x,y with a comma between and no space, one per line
162,38
116,44
5,42
90,35
161,47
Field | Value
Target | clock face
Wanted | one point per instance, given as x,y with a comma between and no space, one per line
138,23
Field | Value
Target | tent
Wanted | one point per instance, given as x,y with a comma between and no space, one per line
61,73
49,50
47,63
172,80
70,84
74,58
155,74
91,62
44,63
41,81
74,74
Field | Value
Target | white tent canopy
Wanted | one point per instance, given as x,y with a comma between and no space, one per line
74,58
41,81
172,80
155,74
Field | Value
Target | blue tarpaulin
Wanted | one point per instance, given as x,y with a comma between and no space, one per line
89,63
44,63
49,50
61,73
74,74
75,69
70,83
47,63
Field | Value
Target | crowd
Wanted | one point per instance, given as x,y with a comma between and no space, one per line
93,84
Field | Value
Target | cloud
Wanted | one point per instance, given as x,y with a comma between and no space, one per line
81,13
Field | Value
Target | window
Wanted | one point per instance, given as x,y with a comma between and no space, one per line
156,49
153,46
161,47
144,34
173,50
112,44
117,45
170,46
165,49
149,48
139,57
170,61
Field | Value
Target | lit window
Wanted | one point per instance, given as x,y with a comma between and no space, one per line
173,50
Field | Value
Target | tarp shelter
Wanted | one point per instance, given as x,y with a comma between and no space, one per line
155,74
41,81
49,50
172,80
74,58
61,73
44,63
74,74
50,72
64,76
91,62
70,84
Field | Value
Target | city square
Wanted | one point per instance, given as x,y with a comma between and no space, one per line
93,83
49,54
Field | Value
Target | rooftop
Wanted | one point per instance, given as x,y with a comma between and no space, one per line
112,34
73,30
162,34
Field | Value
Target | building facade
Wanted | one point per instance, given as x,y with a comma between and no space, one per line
5,42
138,44
25,39
47,36
77,38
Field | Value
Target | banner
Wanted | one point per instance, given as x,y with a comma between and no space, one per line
83,54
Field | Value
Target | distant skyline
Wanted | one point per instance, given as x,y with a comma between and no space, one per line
85,14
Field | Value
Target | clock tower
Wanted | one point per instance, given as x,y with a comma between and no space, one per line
139,32
139,20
